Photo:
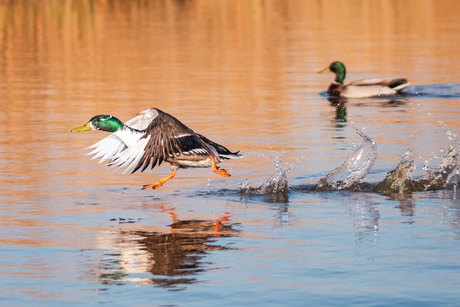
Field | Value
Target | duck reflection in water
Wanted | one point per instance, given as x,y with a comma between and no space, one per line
172,258
340,104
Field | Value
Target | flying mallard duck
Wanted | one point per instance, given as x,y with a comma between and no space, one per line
361,88
152,137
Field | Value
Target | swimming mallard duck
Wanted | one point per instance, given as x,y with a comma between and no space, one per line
152,137
361,88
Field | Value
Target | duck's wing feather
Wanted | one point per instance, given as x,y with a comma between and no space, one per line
107,148
168,137
164,138
116,145
391,83
143,119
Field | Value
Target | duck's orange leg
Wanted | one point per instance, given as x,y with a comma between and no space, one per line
218,223
217,170
160,182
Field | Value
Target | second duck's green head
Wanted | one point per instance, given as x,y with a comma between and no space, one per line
101,122
338,69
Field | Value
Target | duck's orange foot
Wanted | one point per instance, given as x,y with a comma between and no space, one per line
222,172
217,170
152,186
158,184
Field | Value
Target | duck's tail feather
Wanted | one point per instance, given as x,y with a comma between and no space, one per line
221,150
233,155
398,84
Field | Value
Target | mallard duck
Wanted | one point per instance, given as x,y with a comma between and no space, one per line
361,88
150,138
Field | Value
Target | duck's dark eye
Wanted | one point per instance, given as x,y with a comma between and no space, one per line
98,119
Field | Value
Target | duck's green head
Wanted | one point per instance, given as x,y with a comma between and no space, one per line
101,122
338,69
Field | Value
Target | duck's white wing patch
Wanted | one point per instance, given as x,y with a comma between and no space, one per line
107,148
130,157
113,145
128,136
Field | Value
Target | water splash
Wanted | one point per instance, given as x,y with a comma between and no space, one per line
354,169
399,180
348,176
446,176
277,183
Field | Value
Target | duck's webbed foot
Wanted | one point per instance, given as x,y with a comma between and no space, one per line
219,171
160,182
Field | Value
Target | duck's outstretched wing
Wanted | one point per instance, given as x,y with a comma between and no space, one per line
164,138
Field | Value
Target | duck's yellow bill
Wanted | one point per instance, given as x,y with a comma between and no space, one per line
324,70
85,127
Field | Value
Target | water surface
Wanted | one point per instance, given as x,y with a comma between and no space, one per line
243,74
